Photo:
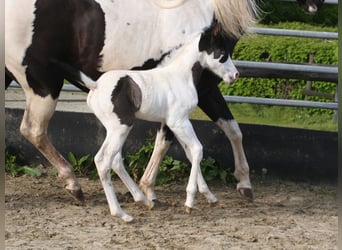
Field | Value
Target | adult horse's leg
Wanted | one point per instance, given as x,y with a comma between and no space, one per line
8,78
161,145
213,104
38,112
8,81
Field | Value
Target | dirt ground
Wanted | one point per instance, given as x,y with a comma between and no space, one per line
285,215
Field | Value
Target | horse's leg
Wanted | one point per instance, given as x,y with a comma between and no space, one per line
138,196
103,161
161,145
8,81
213,104
241,173
34,125
8,78
186,136
109,156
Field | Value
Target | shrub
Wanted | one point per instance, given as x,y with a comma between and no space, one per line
288,50
276,11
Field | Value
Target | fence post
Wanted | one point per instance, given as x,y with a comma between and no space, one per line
335,117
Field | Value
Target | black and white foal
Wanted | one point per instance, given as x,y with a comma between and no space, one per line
166,94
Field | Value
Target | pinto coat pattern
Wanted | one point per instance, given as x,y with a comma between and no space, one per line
100,35
166,94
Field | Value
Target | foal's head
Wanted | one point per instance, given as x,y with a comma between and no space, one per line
216,48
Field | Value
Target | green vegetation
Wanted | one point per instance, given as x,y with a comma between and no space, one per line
14,169
289,50
171,169
83,166
277,116
276,11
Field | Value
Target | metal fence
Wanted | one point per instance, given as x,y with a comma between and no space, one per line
310,72
286,70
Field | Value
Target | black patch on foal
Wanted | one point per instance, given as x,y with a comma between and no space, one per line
197,70
216,42
126,98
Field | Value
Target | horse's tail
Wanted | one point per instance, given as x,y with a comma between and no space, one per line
236,16
75,76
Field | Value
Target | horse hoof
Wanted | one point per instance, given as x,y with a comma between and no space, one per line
77,195
212,199
188,210
213,203
127,218
150,204
246,193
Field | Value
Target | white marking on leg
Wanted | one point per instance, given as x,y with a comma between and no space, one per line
233,132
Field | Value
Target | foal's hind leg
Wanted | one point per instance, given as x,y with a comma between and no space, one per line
109,156
212,103
34,125
161,145
103,161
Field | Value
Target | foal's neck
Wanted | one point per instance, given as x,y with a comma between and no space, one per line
185,57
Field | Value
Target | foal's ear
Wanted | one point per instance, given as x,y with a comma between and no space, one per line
208,36
217,29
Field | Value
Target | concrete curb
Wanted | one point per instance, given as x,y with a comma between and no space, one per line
295,154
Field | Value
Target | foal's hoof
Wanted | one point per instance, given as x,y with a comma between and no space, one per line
188,210
77,195
127,218
246,193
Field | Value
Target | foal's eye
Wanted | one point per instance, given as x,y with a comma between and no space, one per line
224,56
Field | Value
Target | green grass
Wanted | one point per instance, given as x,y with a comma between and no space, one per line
275,115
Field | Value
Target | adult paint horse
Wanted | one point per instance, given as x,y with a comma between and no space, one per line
96,36
165,94
214,112
311,6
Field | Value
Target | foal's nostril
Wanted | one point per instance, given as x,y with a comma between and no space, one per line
236,75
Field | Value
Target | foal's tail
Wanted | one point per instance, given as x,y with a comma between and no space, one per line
75,76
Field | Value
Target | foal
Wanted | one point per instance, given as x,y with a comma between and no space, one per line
166,94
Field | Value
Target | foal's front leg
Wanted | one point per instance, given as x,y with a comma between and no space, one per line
194,151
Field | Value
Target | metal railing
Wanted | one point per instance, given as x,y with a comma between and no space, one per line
302,71
310,72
